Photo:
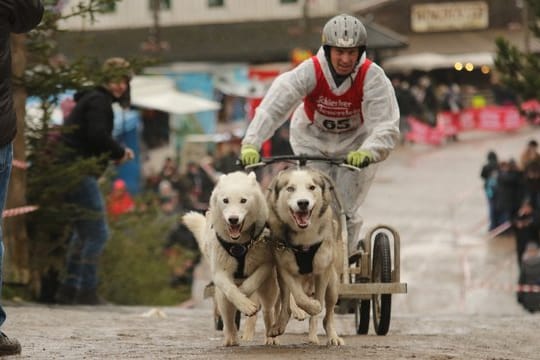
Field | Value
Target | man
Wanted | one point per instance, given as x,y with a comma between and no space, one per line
92,121
16,16
348,109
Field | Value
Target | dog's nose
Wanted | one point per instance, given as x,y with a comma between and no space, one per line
303,204
233,220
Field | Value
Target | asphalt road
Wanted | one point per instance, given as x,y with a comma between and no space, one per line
460,303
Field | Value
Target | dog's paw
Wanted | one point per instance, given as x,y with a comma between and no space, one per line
231,341
335,341
298,313
314,339
271,341
247,307
312,307
275,330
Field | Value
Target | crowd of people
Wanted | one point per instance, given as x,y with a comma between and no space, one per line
512,190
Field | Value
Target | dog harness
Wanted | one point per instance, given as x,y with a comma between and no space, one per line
336,113
303,254
239,251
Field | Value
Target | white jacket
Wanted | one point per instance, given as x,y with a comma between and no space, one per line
379,133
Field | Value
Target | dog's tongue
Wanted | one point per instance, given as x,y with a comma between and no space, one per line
234,231
301,218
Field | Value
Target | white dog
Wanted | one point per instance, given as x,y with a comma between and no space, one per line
241,260
308,247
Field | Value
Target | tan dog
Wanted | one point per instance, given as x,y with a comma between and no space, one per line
307,246
241,261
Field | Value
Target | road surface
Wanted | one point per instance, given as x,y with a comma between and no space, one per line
459,305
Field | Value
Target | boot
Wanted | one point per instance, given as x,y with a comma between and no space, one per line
9,346
89,297
65,295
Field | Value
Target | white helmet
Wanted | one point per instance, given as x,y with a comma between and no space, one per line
344,31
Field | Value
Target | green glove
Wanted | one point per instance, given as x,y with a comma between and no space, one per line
360,158
249,155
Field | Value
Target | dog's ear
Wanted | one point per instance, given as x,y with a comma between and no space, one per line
252,176
277,184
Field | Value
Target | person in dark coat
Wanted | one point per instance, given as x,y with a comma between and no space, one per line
527,219
16,16
91,124
489,173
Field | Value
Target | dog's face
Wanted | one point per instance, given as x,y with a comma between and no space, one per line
237,203
298,196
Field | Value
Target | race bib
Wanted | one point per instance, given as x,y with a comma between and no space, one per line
337,125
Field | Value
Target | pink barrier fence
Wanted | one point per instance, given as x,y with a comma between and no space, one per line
492,118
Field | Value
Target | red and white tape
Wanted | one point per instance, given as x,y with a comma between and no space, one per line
522,288
20,164
19,211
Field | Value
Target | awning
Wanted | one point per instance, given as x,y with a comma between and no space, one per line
159,92
430,61
442,50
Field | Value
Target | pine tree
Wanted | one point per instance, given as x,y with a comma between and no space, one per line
35,238
520,71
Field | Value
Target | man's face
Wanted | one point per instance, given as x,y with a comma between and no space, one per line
344,59
118,87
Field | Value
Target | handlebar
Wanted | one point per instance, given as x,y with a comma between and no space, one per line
301,160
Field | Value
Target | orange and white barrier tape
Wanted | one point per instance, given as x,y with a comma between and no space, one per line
19,211
20,164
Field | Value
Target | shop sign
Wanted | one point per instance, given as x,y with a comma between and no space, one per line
449,16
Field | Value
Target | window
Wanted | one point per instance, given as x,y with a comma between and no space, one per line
163,4
216,3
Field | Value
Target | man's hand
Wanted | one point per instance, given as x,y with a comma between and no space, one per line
360,158
249,155
128,155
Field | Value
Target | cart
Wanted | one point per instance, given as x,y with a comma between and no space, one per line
371,276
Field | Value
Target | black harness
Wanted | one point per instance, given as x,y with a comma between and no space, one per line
303,254
239,251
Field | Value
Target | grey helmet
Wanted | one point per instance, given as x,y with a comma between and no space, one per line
344,31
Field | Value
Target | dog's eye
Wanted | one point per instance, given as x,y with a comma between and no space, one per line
226,200
243,200
312,187
290,188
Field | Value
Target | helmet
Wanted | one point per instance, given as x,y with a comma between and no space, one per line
344,31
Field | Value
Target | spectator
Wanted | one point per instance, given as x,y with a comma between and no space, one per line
119,200
17,16
489,174
509,190
92,119
527,220
530,153
408,106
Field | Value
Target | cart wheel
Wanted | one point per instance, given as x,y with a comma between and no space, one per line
218,321
361,316
381,272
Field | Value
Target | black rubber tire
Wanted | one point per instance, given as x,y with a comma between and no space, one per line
362,316
381,273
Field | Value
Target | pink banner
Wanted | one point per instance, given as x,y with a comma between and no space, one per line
492,118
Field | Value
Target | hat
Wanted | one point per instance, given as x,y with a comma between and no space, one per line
116,68
119,184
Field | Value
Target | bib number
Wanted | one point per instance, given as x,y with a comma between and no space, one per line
337,125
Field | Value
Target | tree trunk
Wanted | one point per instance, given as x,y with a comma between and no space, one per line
16,266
